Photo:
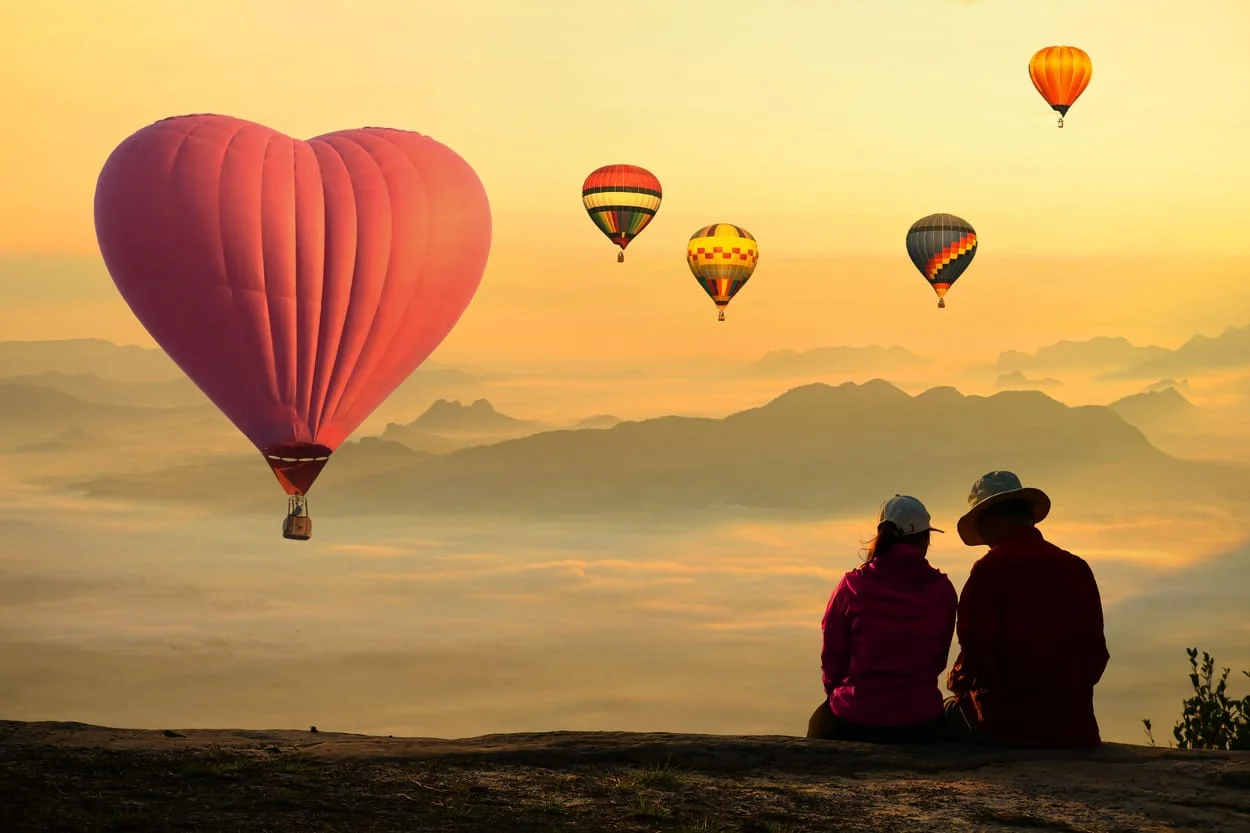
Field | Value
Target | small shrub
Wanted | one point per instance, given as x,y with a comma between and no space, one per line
1210,719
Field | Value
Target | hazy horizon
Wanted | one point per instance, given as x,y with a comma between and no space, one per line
156,618
172,611
643,529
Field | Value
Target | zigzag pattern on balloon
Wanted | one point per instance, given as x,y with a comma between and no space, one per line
943,258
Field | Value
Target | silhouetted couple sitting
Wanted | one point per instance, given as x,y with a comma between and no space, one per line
1029,622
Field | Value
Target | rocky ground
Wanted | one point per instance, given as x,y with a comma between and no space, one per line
75,777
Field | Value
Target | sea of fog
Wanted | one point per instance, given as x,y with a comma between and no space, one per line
155,617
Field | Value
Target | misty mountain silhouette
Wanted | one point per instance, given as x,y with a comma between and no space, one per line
428,377
246,484
426,441
36,406
1229,349
598,421
451,417
814,449
819,361
1016,379
26,403
93,356
1163,384
34,413
842,360
73,439
1152,410
96,370
91,388
448,425
1099,353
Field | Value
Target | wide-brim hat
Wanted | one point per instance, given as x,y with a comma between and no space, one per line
994,488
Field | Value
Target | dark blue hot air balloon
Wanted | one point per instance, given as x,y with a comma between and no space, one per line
942,247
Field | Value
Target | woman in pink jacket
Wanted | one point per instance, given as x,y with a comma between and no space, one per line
887,637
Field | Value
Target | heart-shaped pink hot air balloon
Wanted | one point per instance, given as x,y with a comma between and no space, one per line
297,283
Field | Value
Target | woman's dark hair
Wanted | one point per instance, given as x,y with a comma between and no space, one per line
887,536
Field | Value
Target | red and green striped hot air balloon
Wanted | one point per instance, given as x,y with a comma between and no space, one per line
621,200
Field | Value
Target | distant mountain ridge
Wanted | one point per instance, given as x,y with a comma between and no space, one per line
815,448
1152,410
1016,379
451,417
598,421
827,360
1101,352
1181,385
448,425
246,484
91,388
96,370
1168,397
1118,359
34,404
1230,349
94,356
71,439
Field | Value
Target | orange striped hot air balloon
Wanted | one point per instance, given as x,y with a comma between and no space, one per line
1060,74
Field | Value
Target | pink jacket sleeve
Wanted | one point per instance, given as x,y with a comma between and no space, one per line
835,656
948,629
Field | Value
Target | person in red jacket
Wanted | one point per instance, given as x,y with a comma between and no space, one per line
1030,627
887,636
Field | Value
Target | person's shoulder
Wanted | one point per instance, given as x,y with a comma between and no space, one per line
850,586
1059,551
850,578
936,572
1073,560
988,561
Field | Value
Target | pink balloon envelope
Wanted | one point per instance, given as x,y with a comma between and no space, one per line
297,283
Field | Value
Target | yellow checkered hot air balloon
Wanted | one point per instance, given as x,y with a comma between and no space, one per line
722,258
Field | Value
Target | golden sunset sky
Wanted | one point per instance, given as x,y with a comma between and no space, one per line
823,127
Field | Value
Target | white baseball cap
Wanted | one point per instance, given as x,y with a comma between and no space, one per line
907,513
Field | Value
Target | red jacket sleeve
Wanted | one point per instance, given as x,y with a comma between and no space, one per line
835,659
977,629
1096,654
